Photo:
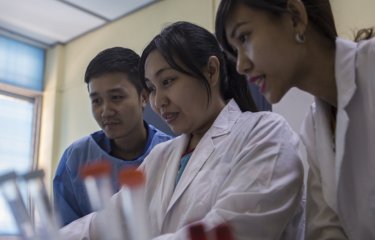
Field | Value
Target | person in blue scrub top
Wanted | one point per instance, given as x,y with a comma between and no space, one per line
117,103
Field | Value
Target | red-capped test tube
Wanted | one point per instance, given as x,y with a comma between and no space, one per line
134,204
196,232
223,232
97,181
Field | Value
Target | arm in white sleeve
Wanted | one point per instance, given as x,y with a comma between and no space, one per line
262,192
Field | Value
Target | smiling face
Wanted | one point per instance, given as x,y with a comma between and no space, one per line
181,100
265,49
116,105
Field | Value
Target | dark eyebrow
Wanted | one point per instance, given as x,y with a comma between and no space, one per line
160,71
114,90
94,94
236,27
117,90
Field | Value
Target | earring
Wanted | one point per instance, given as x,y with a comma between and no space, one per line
300,38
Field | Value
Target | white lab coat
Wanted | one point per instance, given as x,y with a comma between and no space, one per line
245,170
341,182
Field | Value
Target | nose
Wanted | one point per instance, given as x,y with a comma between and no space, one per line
107,110
159,99
244,64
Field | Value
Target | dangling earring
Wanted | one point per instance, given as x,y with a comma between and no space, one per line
300,38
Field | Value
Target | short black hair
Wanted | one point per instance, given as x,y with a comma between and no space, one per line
112,60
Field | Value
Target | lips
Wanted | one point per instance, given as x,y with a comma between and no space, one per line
169,116
260,81
109,124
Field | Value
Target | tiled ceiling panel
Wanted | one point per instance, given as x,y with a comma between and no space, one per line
49,22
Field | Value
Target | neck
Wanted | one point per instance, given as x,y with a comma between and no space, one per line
131,146
319,72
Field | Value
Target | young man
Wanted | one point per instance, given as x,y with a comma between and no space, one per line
117,103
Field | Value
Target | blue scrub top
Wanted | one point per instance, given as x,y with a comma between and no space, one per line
70,197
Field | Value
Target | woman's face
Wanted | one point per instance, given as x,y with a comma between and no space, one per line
265,48
180,99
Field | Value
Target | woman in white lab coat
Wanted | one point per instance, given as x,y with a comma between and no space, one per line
293,43
228,165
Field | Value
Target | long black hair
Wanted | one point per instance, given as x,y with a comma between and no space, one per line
319,13
187,48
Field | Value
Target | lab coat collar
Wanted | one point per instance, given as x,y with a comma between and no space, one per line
346,87
221,126
325,150
345,71
331,155
225,120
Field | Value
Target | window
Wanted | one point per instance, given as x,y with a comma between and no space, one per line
21,85
21,65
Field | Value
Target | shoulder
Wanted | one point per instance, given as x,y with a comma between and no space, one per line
367,47
360,56
158,134
69,159
366,54
264,123
161,153
164,149
165,146
80,143
263,142
262,117
261,135
365,61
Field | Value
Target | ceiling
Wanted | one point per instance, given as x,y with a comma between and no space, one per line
49,22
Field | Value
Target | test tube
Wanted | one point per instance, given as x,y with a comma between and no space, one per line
12,195
38,193
99,190
196,232
134,204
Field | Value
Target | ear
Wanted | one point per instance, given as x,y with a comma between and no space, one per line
299,15
144,98
213,70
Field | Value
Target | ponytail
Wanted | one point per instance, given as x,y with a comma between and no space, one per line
236,87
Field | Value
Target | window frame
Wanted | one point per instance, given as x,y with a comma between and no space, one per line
36,97
19,92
